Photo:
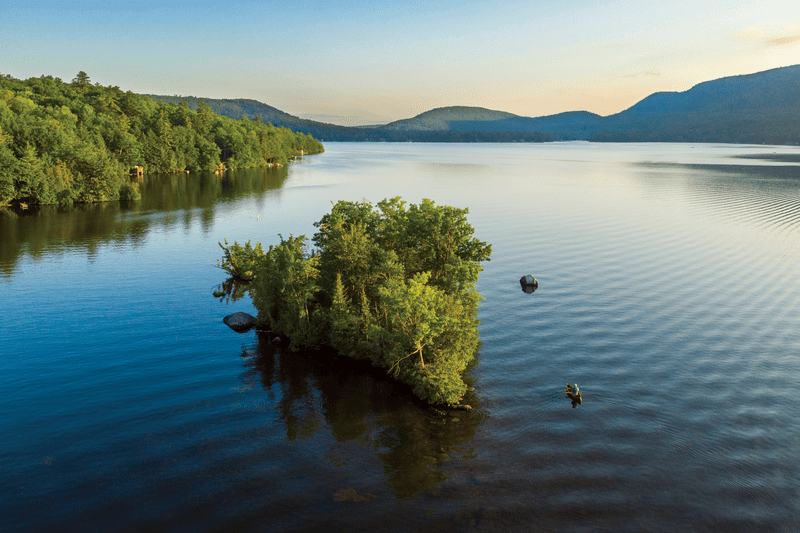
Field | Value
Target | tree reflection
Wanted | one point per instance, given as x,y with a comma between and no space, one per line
359,403
168,200
231,290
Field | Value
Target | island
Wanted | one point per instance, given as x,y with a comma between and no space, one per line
393,284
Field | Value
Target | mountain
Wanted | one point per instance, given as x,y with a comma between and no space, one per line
755,108
251,109
443,118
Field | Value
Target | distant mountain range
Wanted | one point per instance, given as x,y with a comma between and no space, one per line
756,108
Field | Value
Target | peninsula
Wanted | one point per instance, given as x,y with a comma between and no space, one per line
66,142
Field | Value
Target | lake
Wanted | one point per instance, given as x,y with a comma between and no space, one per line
668,290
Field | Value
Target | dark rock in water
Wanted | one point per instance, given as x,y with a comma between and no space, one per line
240,322
529,284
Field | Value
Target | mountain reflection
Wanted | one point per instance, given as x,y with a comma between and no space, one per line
359,403
168,200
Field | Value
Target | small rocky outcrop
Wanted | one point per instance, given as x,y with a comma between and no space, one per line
529,284
240,322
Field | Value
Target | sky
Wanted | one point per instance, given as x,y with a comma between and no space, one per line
383,60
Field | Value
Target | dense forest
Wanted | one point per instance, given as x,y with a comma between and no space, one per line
65,142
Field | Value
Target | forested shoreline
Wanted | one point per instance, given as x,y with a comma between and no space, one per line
74,142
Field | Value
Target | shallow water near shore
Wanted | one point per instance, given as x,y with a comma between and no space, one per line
668,290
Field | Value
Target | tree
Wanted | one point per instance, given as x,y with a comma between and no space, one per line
395,285
428,336
8,165
30,175
285,288
204,120
81,81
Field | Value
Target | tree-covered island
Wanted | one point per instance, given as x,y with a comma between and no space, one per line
393,284
76,142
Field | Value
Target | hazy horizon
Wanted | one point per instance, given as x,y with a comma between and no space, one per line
385,61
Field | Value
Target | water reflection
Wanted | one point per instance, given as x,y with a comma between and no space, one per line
168,201
231,290
754,196
358,403
776,157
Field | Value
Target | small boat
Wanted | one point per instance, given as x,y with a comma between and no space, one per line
574,393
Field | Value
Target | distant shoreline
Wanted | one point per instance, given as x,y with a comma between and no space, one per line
758,108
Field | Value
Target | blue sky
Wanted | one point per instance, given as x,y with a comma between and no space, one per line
393,60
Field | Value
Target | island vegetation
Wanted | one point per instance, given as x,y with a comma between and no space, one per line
393,284
65,142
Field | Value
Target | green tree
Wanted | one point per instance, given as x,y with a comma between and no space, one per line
81,81
60,182
428,336
8,164
29,175
205,119
285,288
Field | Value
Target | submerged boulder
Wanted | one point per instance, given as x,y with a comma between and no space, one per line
240,322
529,284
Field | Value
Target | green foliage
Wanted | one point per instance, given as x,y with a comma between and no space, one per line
75,142
240,261
81,80
284,292
129,192
395,285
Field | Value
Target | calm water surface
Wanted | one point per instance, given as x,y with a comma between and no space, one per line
668,290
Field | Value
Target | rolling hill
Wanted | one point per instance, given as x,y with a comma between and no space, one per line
755,108
443,118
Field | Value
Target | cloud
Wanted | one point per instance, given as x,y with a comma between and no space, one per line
778,41
771,36
647,73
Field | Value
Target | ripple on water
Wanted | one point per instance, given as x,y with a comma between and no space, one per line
667,291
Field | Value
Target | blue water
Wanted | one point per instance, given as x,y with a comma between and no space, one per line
668,290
